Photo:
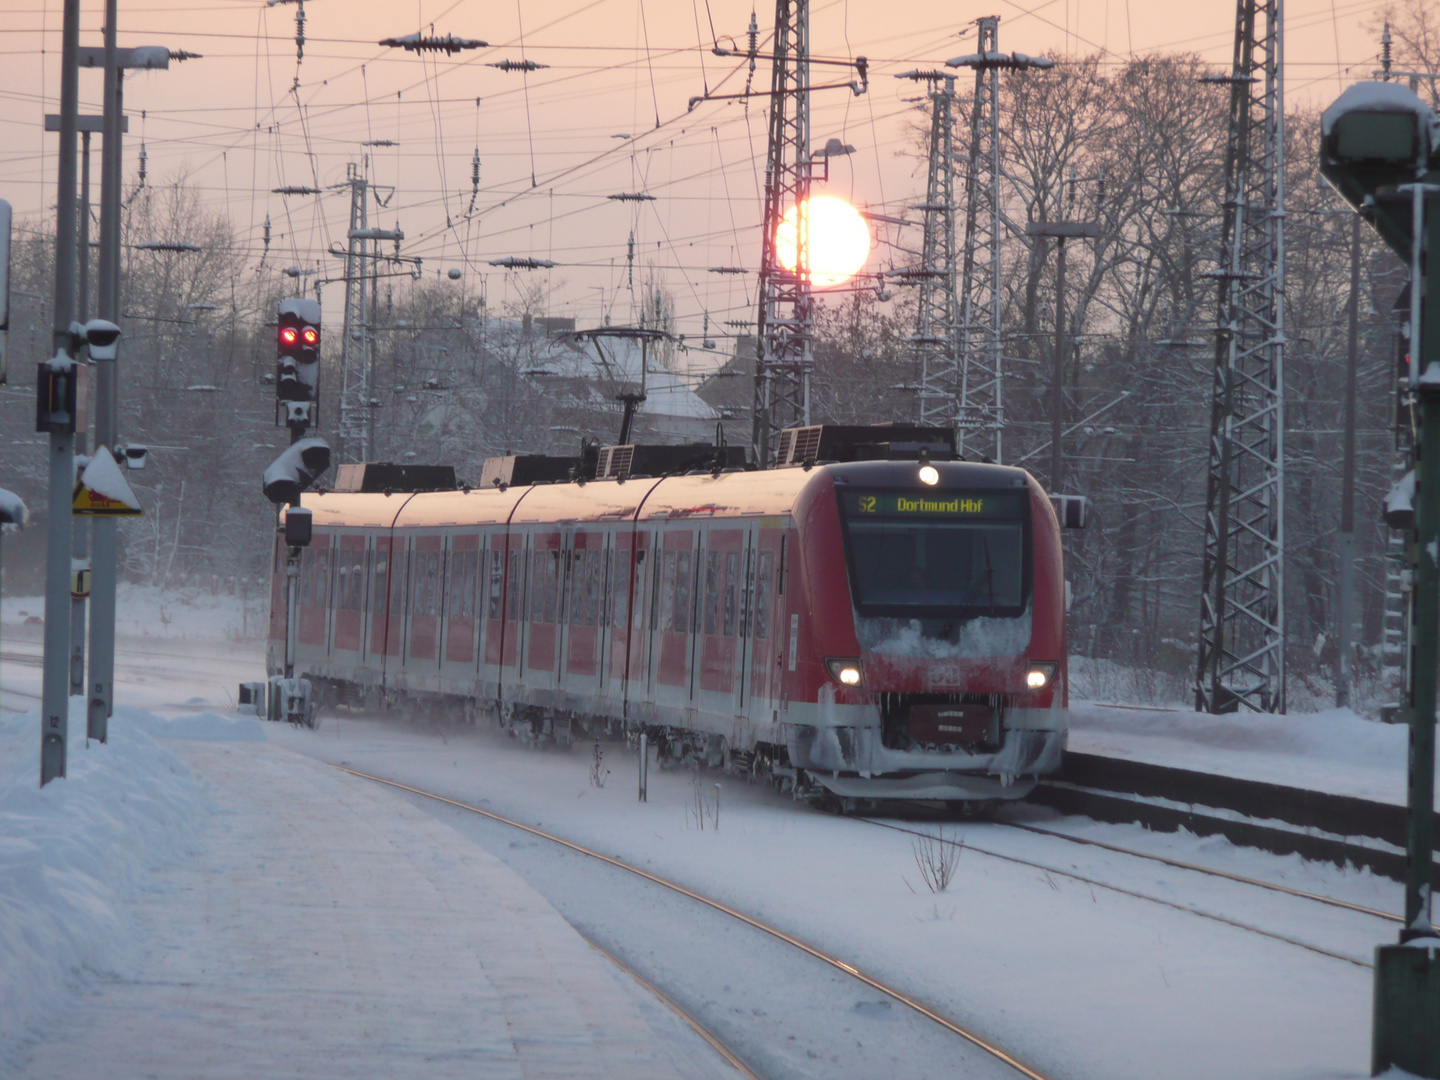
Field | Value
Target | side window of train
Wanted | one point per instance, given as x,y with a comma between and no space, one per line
712,592
667,593
552,585
380,590
592,587
496,585
322,578
471,566
732,591
684,612
619,599
762,593
357,582
512,601
399,572
537,587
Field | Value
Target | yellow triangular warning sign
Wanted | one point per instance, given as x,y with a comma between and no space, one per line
103,491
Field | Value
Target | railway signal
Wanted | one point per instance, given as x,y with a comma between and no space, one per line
1380,149
297,406
297,367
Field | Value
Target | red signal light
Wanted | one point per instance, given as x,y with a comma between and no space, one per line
288,336
311,337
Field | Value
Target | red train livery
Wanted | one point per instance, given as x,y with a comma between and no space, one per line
850,628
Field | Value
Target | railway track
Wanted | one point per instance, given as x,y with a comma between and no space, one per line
1095,882
976,1040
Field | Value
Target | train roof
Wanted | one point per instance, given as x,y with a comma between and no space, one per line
706,496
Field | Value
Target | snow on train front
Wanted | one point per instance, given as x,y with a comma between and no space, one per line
928,655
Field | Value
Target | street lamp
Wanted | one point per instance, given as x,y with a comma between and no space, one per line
114,62
1380,149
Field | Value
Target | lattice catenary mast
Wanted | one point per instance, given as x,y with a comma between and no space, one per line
1242,607
935,345
786,319
980,403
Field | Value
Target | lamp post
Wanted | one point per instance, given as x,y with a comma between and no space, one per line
1379,152
114,61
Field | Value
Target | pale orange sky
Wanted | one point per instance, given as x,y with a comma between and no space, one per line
230,122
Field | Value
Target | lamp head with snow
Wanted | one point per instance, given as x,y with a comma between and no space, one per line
103,339
1376,138
298,466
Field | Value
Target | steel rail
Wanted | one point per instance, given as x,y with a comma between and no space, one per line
875,984
1181,864
1072,875
670,1003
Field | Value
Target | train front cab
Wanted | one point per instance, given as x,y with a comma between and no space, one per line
926,611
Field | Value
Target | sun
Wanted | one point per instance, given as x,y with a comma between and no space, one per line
839,240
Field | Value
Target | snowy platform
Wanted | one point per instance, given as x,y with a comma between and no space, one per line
1335,751
307,924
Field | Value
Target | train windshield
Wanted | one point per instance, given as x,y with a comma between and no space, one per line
939,554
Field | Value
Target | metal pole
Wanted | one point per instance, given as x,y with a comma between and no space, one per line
644,769
1424,601
1347,481
80,539
1057,404
107,288
55,696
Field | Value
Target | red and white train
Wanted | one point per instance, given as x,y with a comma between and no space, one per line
868,630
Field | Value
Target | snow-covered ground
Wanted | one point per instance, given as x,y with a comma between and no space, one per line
137,895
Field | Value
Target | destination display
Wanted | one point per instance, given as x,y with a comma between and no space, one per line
935,504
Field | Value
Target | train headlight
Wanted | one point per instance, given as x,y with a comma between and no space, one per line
845,672
1038,676
929,475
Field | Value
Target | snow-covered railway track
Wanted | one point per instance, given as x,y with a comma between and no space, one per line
1011,1064
969,845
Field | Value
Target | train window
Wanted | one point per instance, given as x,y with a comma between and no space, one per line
667,593
577,588
684,612
620,597
457,604
397,586
497,584
357,585
512,593
537,585
712,592
552,586
592,587
762,594
732,588
382,567
965,555
322,578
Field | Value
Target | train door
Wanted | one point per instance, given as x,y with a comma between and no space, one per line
672,657
400,572
379,597
584,608
718,624
314,593
514,602
639,679
541,647
349,593
427,560
460,621
620,562
767,635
